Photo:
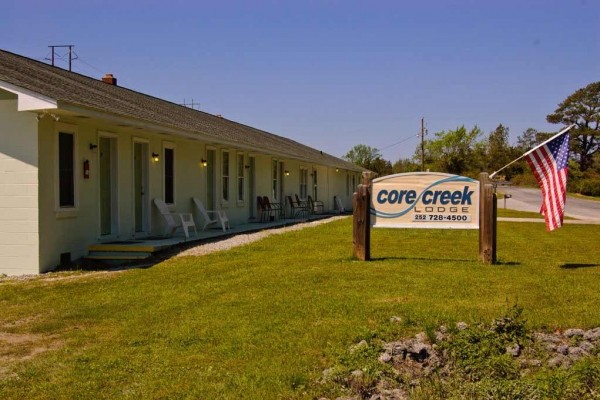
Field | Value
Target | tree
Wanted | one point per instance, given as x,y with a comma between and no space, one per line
498,150
362,155
528,140
583,109
380,166
453,150
405,165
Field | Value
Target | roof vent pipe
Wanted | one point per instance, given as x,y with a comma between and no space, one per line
110,79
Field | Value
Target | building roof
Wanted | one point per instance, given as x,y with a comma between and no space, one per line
89,93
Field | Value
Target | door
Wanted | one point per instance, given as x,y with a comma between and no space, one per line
107,149
140,188
252,188
211,170
282,183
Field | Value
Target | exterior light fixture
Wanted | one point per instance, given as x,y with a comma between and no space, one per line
155,157
93,146
337,170
203,162
286,172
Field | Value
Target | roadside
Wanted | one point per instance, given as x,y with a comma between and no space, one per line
525,199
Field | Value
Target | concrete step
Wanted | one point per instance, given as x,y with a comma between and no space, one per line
125,247
118,255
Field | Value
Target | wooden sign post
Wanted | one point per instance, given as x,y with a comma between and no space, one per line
361,227
488,207
425,200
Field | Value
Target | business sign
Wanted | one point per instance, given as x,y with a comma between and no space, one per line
425,200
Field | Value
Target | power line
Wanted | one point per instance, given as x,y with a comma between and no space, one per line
399,142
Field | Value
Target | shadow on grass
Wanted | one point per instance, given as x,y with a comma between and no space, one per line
575,265
508,263
420,259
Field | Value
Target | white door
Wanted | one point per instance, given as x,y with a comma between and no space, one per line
107,154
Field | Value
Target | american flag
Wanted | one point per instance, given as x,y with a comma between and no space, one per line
549,163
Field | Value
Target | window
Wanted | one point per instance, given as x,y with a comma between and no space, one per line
169,171
225,176
353,183
347,185
303,183
240,170
275,181
66,170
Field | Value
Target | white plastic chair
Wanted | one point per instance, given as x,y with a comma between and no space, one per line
219,216
176,220
338,203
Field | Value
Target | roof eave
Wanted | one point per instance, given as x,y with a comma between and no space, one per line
29,100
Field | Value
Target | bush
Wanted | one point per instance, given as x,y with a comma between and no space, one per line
588,187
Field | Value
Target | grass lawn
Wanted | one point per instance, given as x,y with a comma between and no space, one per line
508,213
262,321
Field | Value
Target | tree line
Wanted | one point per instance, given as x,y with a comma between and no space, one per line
468,152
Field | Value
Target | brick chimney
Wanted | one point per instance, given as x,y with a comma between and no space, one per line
110,79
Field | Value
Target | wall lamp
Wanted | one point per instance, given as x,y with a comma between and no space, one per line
337,170
286,172
155,157
93,146
203,162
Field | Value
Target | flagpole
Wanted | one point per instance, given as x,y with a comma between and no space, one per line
532,150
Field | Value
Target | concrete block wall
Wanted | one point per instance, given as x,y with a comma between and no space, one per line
19,227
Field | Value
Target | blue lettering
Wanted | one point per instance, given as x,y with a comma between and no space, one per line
380,196
456,197
411,195
393,197
426,195
445,197
466,195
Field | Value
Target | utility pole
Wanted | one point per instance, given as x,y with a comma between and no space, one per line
423,133
70,47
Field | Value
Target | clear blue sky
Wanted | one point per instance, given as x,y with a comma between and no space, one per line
332,74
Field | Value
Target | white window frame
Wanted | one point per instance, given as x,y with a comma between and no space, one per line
68,211
241,182
169,145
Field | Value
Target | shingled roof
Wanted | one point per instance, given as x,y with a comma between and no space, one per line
82,91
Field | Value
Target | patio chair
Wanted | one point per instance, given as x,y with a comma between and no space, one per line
265,211
175,220
278,207
219,216
274,208
339,205
316,206
296,208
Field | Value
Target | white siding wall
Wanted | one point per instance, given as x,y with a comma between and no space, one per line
19,238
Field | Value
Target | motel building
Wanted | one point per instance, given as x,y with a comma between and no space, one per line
82,161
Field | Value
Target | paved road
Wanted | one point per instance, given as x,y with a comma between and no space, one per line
531,199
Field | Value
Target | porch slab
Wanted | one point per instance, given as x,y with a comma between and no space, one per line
139,249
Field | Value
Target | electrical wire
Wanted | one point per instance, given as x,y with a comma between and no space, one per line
399,142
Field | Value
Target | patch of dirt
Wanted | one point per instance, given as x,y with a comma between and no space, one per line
58,277
19,347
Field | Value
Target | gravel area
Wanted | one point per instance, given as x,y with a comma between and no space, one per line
243,239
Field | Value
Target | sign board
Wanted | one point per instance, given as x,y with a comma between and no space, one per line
425,200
